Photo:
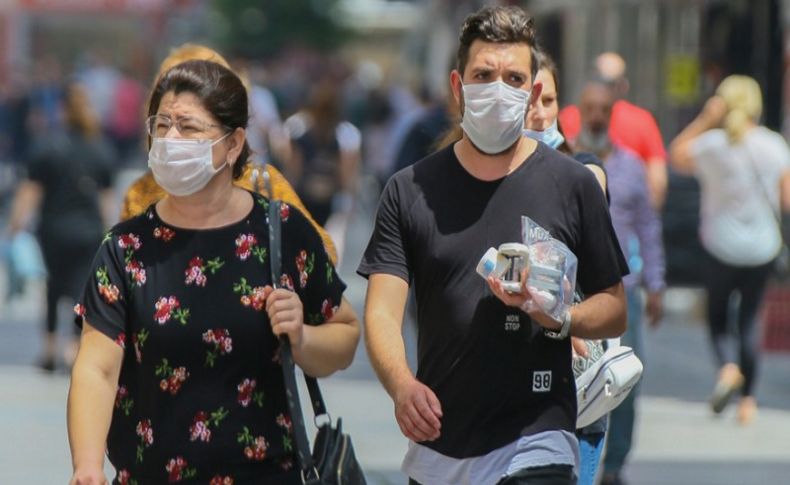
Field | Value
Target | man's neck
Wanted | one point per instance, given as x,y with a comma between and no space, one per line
487,167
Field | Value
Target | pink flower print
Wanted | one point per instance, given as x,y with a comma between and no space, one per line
203,422
129,241
284,421
327,310
146,435
304,265
122,400
167,307
145,432
254,297
79,310
285,211
136,272
220,480
199,429
178,469
121,340
164,233
301,260
125,478
108,291
222,344
256,446
194,272
287,282
171,378
247,393
244,245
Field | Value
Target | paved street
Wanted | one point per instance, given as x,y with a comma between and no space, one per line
678,441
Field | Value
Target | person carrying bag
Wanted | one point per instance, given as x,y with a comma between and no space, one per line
332,460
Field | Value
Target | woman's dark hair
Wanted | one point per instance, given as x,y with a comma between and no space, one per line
504,25
218,88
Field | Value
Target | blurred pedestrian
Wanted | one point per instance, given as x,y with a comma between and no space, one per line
631,126
493,399
323,164
69,180
145,191
178,372
542,126
739,165
638,229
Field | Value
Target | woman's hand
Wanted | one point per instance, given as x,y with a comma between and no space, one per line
714,111
286,315
91,476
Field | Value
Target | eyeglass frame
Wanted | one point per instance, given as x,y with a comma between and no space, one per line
177,122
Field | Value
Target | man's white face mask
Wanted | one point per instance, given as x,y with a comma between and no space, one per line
182,167
493,116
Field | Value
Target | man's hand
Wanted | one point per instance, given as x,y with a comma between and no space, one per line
418,411
520,299
655,307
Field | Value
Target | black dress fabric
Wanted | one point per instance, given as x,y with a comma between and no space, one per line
201,397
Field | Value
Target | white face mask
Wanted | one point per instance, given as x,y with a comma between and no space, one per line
551,136
182,167
494,115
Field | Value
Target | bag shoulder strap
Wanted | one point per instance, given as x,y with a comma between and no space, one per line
763,189
304,455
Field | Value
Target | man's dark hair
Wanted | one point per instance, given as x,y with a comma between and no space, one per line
506,25
218,88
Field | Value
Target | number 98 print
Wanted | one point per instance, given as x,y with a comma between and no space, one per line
541,381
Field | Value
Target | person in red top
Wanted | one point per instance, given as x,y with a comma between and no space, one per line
631,127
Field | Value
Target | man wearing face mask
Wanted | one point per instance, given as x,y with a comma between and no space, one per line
493,398
638,228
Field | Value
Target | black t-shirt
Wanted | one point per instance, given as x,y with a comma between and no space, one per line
72,170
495,373
201,392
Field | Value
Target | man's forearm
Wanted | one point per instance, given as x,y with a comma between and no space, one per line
601,315
386,350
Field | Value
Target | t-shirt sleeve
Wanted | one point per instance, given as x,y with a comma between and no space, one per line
652,145
103,303
570,121
601,260
37,166
704,147
307,269
386,251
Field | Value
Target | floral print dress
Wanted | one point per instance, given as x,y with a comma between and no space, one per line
200,396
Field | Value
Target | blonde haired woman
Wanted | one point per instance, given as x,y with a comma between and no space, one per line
744,171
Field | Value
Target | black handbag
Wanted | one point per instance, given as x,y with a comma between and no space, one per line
332,460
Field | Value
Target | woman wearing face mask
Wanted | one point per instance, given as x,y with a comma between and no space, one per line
178,374
541,125
144,191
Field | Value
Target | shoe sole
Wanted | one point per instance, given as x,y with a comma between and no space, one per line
722,395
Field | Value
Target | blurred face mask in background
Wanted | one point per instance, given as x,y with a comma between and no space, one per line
182,167
551,136
493,116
